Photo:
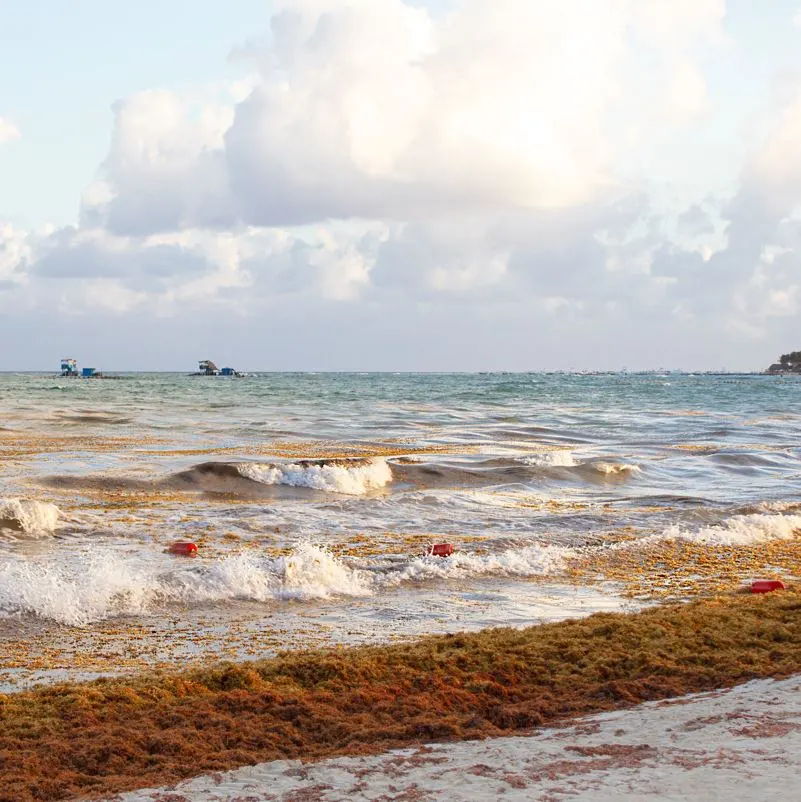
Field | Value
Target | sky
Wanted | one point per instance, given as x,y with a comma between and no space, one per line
397,185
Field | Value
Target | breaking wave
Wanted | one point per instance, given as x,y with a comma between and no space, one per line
350,477
93,586
28,517
309,572
739,530
561,458
102,586
612,468
75,594
353,477
564,458
536,560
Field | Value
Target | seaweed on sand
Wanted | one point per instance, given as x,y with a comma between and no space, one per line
118,734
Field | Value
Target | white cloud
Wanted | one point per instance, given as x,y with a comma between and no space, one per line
15,253
773,173
385,181
375,109
472,156
183,272
755,278
165,167
105,294
797,19
8,131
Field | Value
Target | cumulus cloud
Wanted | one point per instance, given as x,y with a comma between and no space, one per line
771,180
8,131
16,254
696,221
385,182
165,169
183,272
755,277
375,109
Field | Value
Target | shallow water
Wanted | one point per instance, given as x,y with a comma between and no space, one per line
313,499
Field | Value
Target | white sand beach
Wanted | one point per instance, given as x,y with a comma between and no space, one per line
739,744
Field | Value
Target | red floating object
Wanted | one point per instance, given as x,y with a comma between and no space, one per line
184,549
442,550
766,585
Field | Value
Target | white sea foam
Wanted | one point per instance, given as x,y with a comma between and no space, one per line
355,479
536,560
98,586
771,507
614,468
76,593
564,458
92,586
309,572
740,530
28,517
561,458
95,586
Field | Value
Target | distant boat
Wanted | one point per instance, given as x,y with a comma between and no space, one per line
69,370
207,368
69,367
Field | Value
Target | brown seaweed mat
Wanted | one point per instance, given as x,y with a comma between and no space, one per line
90,739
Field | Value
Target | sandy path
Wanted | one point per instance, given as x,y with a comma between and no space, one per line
732,745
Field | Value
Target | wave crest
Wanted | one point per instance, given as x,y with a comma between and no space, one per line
90,590
96,586
530,561
101,586
28,517
560,458
349,477
309,572
613,468
739,530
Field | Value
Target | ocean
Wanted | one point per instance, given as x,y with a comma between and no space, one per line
314,500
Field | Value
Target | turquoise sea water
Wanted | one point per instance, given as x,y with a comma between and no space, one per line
313,497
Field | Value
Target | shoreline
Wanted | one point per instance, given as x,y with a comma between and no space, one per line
117,735
739,744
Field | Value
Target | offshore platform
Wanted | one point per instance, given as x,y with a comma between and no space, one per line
69,370
207,368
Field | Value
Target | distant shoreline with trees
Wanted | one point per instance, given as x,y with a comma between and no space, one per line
788,363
